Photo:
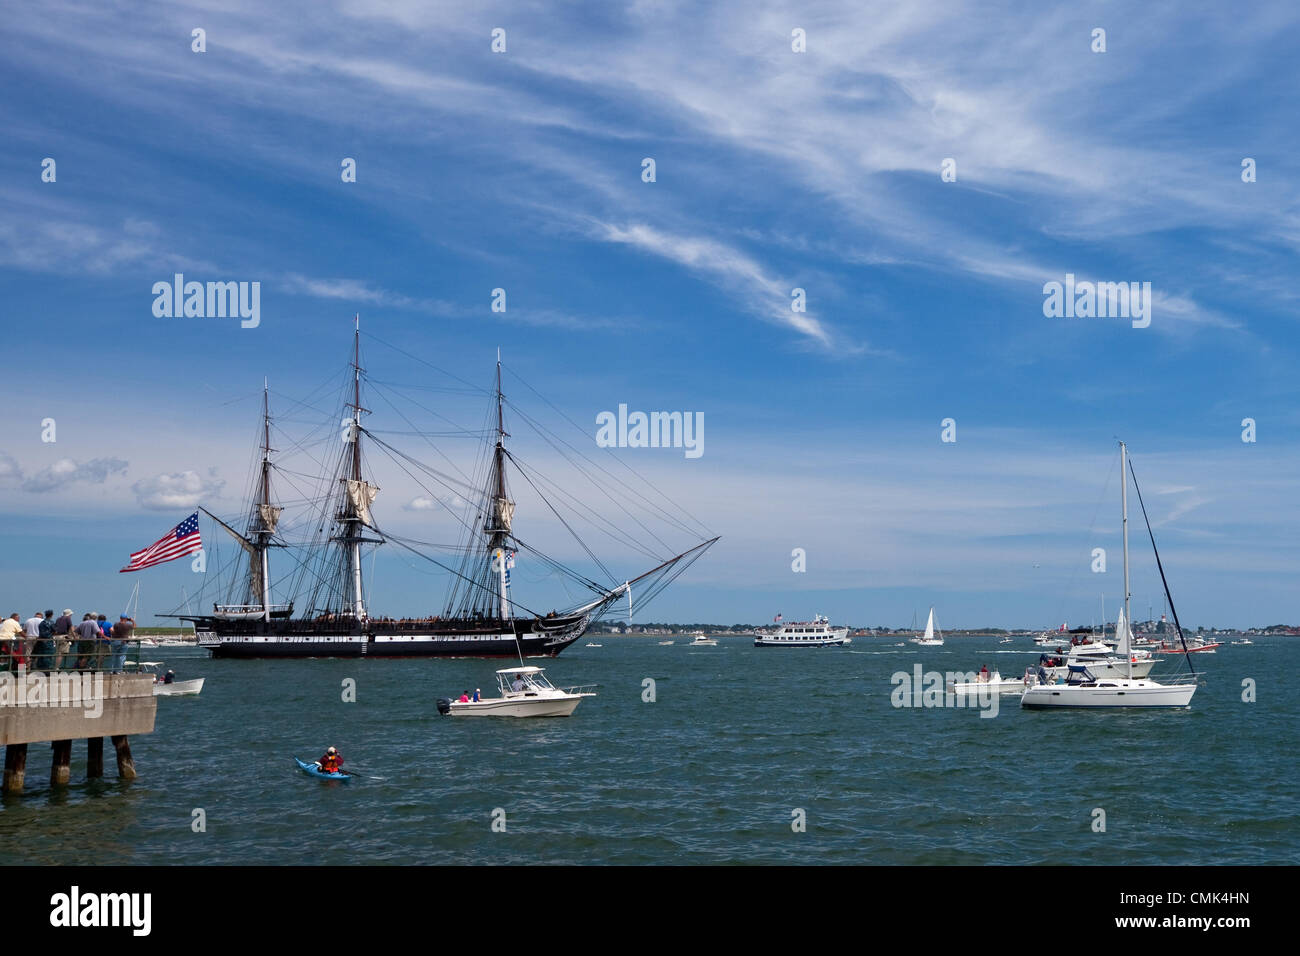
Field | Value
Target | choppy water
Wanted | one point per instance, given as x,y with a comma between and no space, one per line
711,772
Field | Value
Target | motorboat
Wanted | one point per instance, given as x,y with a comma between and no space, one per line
986,682
590,644
525,692
667,643
702,640
162,687
1244,640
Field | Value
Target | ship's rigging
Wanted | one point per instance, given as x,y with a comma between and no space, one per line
322,538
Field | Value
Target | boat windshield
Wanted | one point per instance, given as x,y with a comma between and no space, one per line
1079,675
519,682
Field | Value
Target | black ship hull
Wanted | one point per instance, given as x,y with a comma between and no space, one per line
545,637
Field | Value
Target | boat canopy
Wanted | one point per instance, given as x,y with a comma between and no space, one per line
521,670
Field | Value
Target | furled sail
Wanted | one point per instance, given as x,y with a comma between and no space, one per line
505,513
362,495
270,517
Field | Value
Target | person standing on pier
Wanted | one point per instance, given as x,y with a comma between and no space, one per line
62,637
88,633
43,655
31,634
11,636
121,633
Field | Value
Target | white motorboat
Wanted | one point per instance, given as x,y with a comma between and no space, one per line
1244,640
702,640
589,644
1081,687
525,692
1006,640
932,637
818,632
165,685
986,682
666,643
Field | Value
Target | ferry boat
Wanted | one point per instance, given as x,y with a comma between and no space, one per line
815,633
326,614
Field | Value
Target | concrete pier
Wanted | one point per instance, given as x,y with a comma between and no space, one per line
60,707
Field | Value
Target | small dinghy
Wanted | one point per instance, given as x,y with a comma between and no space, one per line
165,688
314,770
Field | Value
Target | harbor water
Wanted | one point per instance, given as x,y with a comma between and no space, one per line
742,756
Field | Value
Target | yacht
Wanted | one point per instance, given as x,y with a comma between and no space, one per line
932,637
1082,687
703,641
525,692
818,632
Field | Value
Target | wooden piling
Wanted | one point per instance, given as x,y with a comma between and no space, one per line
61,767
125,765
15,768
94,757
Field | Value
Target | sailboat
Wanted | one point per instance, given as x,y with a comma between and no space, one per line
1082,688
480,617
930,639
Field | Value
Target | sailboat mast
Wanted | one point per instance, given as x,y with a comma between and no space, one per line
1128,613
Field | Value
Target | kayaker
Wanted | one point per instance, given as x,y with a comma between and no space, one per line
331,762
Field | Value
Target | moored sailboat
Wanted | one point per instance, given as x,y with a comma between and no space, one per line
1081,687
932,637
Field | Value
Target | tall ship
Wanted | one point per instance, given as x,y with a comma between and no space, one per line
323,610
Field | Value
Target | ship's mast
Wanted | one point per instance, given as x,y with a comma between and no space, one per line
351,518
502,508
264,502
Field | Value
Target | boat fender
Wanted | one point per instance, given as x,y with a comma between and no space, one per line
444,705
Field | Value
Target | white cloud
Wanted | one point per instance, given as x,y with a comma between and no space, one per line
182,489
67,471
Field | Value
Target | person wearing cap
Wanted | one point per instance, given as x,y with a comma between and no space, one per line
62,636
169,677
331,761
43,655
87,634
121,633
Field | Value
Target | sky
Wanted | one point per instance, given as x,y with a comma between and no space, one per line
1168,158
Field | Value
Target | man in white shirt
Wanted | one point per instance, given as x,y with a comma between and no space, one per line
32,626
11,642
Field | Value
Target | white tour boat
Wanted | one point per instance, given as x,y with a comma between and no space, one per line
525,692
1081,687
815,633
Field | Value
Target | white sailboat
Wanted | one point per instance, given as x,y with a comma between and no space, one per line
1081,687
932,637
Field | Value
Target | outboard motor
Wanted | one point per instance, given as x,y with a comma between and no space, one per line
444,706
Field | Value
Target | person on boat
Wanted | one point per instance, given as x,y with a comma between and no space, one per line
169,677
518,685
331,761
464,697
477,692
984,672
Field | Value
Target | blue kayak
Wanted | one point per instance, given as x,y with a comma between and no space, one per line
314,770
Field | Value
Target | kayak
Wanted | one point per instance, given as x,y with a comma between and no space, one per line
314,770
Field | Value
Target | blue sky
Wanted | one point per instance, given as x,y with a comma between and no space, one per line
775,170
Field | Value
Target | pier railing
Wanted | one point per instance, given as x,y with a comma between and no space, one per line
68,654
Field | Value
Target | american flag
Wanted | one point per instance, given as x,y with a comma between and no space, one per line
176,543
776,619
